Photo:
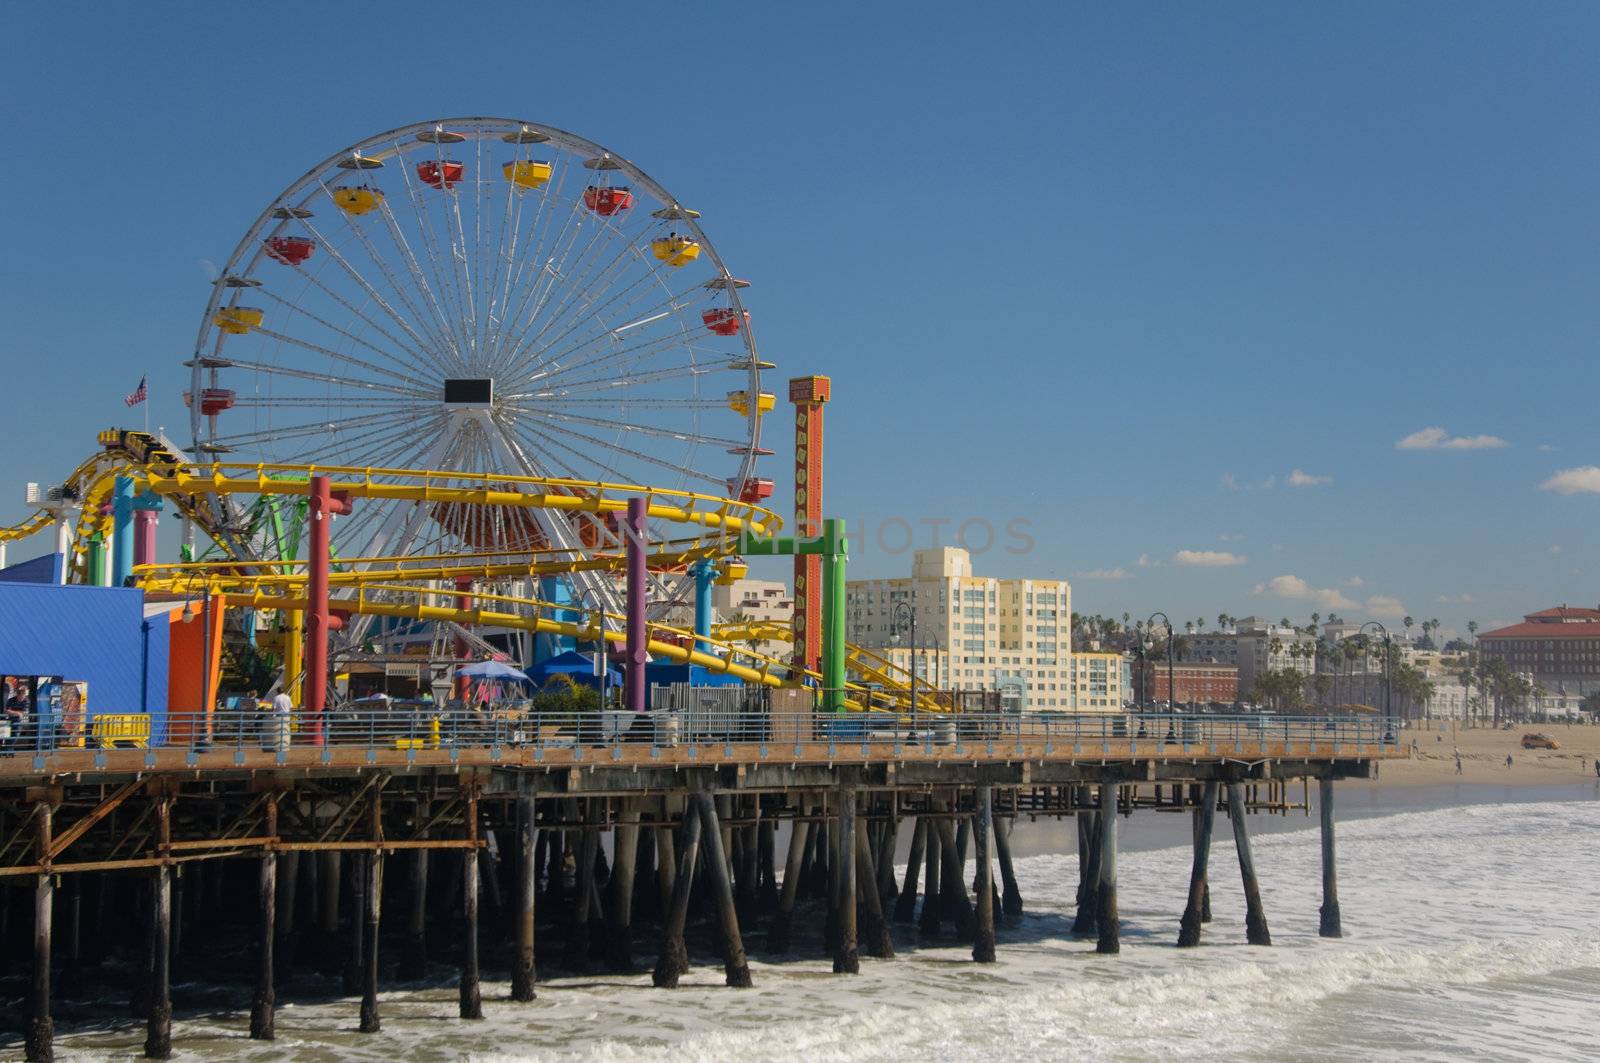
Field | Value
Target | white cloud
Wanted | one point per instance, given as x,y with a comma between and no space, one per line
1297,589
1457,599
1354,581
1269,483
1230,537
1555,548
1104,573
1438,439
1208,558
1146,561
1580,480
1231,482
1385,606
1305,479
1546,448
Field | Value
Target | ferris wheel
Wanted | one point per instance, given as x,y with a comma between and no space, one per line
487,295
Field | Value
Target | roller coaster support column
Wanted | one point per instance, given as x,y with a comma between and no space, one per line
121,531
638,635
146,515
319,513
834,549
704,572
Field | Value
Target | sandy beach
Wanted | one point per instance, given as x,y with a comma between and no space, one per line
1483,756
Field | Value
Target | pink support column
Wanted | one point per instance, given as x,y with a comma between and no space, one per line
638,637
319,514
144,536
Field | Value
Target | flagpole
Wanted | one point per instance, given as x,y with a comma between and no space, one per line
146,379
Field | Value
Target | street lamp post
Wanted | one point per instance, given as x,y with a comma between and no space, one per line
1172,691
910,623
600,611
1388,718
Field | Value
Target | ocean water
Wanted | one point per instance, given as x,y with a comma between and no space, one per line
1472,934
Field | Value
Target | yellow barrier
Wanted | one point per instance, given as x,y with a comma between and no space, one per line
121,730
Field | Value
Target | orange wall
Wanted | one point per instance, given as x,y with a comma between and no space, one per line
186,672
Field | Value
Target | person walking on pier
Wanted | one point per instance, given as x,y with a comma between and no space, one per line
278,725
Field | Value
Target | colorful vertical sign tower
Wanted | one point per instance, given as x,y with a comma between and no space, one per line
808,394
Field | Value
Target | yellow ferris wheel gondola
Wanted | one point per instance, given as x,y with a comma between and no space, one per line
675,250
527,173
357,199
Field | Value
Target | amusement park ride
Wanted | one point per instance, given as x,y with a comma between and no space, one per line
449,358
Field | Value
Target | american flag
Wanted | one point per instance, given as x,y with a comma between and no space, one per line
140,393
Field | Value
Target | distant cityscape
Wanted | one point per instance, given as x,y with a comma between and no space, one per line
1022,639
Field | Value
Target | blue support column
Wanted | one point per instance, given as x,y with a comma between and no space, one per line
121,531
704,573
559,590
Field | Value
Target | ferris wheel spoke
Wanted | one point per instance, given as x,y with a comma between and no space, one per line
559,270
518,445
312,401
328,378
582,290
644,316
557,441
442,320
407,368
632,355
539,266
436,339
427,348
652,431
243,439
621,382
450,318
506,241
531,265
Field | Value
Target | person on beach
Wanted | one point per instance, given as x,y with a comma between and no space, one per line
1458,762
1508,760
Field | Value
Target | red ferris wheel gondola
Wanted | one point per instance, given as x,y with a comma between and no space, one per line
290,250
444,174
724,320
606,201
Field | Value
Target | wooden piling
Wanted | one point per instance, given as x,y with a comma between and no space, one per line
1110,930
619,939
932,904
982,824
674,958
953,900
578,936
288,892
905,906
158,1027
522,971
1330,926
767,860
1204,817
666,860
778,933
414,952
471,990
264,1003
40,1041
733,958
373,890
874,928
358,922
74,943
1087,920
846,956
1255,918
1011,897
747,882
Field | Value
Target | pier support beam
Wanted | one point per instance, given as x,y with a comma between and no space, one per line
932,903
471,990
779,932
1011,900
619,940
1255,918
414,954
905,906
1330,925
370,1022
846,957
874,929
1204,818
41,1027
522,971
357,875
1086,922
953,901
1110,939
733,958
982,826
578,937
674,958
158,1028
264,1004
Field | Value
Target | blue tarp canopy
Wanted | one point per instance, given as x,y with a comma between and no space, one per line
492,670
579,667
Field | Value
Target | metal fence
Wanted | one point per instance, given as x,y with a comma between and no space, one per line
697,716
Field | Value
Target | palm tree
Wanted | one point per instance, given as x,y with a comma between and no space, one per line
1472,629
1408,621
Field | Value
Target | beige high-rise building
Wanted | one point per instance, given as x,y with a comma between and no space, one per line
756,600
973,632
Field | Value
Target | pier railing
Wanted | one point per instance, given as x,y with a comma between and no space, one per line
720,722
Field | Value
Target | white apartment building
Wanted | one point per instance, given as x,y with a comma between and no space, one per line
1262,645
756,600
1010,635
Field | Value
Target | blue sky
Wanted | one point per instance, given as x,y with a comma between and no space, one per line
1116,273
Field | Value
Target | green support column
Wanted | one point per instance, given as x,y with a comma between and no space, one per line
98,575
834,549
